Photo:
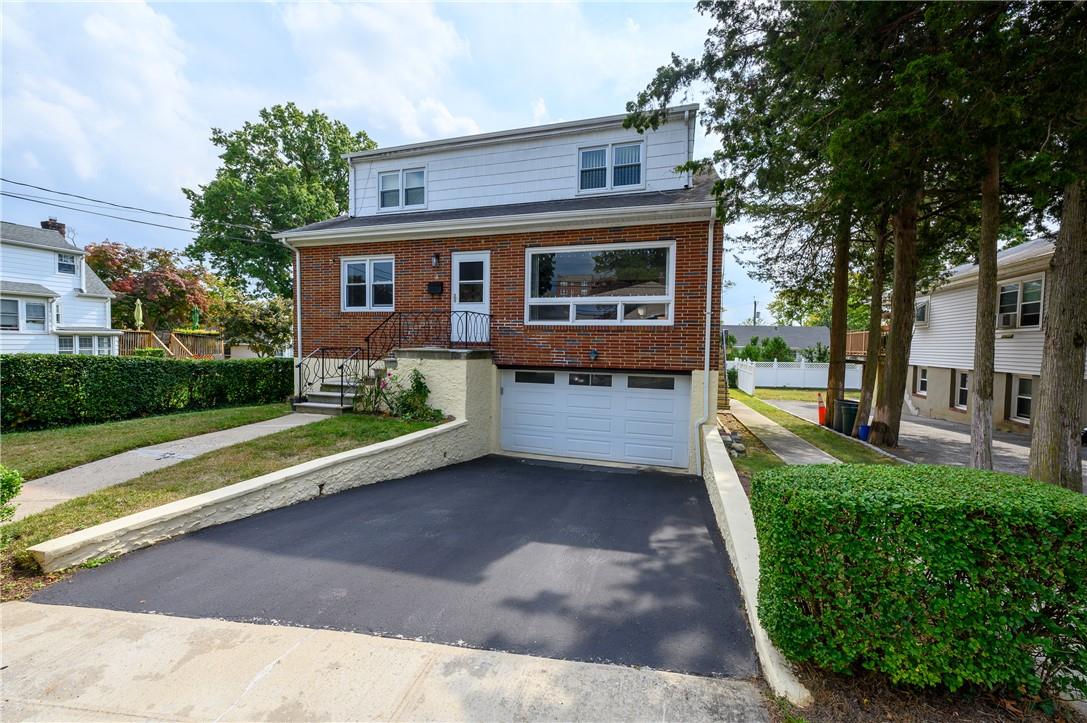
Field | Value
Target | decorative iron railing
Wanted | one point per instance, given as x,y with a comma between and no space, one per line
343,363
447,329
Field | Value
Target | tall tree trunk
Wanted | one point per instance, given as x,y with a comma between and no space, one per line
981,386
875,329
1055,408
839,300
889,401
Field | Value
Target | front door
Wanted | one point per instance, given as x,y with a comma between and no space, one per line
470,317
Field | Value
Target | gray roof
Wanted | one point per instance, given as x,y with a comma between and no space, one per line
18,233
797,337
1038,248
20,288
700,190
95,285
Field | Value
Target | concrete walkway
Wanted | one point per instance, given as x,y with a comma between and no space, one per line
786,445
44,492
83,664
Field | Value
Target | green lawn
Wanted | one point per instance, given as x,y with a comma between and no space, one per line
36,454
210,471
845,449
756,457
797,395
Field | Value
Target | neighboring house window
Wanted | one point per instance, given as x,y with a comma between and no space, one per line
65,345
367,284
962,391
614,167
34,312
105,346
920,313
922,381
9,314
86,344
594,169
56,312
1021,402
606,284
1019,304
411,183
66,264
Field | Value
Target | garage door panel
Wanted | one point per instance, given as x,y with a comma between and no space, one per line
644,426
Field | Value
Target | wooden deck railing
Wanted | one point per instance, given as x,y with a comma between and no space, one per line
856,344
132,339
176,345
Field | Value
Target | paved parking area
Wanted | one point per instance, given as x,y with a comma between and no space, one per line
562,561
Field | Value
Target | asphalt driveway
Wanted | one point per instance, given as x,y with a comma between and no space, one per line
563,561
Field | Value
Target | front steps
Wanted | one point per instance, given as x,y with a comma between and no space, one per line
326,400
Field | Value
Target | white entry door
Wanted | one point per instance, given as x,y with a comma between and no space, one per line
620,417
471,297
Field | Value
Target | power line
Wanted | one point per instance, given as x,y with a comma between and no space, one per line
54,204
123,206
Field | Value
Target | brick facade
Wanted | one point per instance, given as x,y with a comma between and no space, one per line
663,348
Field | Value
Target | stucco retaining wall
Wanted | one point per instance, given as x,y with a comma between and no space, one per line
733,514
456,441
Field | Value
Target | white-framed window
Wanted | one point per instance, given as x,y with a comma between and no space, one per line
404,188
921,382
611,167
1022,398
962,389
66,264
9,314
1019,304
105,346
34,315
86,344
920,313
367,283
601,284
65,345
56,312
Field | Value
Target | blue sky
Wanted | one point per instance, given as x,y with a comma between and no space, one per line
115,101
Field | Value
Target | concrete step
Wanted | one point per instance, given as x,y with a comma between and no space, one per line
332,396
332,410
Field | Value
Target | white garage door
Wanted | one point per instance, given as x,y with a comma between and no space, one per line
641,418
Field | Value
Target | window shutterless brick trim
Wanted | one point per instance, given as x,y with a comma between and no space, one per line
664,348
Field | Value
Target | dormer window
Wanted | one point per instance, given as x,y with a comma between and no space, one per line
613,167
402,189
66,264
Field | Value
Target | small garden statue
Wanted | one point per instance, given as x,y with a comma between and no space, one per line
196,317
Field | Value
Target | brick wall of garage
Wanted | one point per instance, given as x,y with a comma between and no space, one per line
665,348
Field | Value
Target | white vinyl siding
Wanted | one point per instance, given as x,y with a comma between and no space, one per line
526,170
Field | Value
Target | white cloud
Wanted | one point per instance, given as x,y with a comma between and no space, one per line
391,62
539,112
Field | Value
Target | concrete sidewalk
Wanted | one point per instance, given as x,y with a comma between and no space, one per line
44,492
786,445
83,664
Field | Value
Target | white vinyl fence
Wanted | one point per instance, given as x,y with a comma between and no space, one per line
801,375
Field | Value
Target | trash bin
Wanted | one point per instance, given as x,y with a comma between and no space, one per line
836,419
849,409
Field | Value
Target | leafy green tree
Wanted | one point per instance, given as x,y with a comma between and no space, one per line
280,172
265,324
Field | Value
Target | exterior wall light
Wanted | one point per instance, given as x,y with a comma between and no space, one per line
593,354
435,259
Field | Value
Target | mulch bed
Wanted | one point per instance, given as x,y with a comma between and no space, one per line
870,697
17,583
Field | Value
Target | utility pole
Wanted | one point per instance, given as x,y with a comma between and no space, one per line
755,312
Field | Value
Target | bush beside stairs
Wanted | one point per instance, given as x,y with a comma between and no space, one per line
326,399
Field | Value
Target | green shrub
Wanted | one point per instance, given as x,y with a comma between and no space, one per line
51,390
149,353
732,376
10,484
931,575
389,395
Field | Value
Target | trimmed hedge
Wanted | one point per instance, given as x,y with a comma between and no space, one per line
52,390
934,576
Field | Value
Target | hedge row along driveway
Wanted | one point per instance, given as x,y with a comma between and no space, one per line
47,390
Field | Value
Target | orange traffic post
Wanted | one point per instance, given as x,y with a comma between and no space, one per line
822,411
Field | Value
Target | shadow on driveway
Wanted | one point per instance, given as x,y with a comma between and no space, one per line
556,560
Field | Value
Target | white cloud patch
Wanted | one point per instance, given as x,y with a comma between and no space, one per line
539,112
389,62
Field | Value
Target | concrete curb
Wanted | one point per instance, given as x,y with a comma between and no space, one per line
870,446
733,513
426,449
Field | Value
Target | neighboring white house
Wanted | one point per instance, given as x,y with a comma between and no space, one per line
942,352
51,302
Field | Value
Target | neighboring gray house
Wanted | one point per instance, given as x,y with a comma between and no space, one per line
51,302
797,337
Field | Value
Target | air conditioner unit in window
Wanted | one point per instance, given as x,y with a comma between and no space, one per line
1006,321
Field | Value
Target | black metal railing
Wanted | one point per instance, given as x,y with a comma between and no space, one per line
325,363
447,329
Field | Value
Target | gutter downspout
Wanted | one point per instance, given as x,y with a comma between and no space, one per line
298,310
706,413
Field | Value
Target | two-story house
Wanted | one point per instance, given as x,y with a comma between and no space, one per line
574,253
942,352
51,302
